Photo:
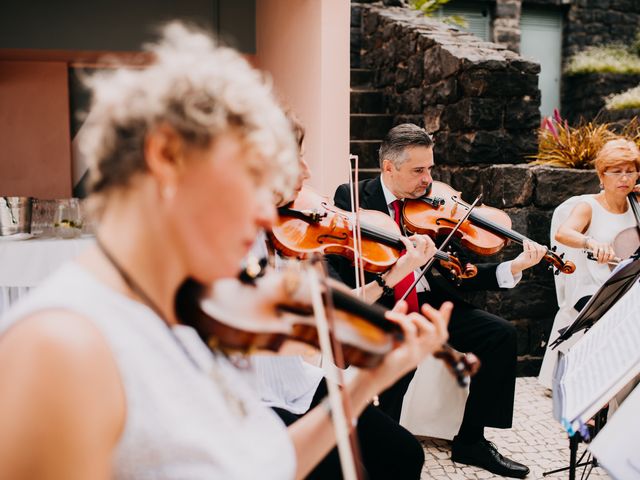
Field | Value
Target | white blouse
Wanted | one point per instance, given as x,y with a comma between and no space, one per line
192,418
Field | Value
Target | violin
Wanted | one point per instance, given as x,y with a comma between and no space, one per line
627,242
485,232
276,307
312,224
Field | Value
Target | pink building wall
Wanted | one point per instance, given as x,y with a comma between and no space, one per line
304,45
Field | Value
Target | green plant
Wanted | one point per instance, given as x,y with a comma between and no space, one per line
627,99
560,145
431,7
607,59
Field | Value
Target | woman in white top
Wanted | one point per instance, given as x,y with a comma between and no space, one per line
593,225
98,377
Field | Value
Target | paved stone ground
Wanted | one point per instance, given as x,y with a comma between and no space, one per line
536,440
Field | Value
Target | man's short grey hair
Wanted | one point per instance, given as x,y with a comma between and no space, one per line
198,88
399,138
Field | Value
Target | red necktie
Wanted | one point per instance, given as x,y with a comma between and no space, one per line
406,282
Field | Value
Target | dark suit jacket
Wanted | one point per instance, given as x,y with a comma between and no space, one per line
372,198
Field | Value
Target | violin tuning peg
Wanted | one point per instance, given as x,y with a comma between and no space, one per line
554,248
562,255
556,272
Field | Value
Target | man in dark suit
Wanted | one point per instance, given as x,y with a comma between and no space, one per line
406,161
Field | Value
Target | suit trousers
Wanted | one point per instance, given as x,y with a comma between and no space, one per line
493,340
388,450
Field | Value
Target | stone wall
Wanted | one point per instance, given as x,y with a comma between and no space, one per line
583,95
600,22
479,99
529,195
587,22
596,23
618,119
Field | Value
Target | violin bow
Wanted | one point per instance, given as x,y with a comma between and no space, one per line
635,206
341,411
441,247
354,192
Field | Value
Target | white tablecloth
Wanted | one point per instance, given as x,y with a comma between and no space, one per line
24,264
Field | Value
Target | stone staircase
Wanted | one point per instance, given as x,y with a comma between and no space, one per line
368,122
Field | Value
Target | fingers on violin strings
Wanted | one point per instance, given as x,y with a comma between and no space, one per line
421,325
401,307
418,242
428,242
440,318
409,327
408,243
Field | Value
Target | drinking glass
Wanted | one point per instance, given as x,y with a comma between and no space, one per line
67,221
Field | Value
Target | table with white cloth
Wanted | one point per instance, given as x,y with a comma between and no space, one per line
24,264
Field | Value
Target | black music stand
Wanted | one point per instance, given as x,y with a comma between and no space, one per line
613,289
607,295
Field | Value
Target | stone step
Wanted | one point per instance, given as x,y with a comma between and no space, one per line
361,77
366,101
367,126
367,151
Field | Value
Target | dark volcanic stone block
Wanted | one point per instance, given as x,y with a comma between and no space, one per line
442,92
508,186
522,113
480,113
555,185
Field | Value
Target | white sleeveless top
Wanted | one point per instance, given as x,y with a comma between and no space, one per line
604,227
182,420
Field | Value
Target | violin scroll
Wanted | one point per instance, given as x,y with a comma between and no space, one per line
462,365
558,263
456,269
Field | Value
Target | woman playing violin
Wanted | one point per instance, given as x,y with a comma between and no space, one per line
406,161
291,382
592,226
99,377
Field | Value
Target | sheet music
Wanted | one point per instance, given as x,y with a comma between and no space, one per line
606,358
617,445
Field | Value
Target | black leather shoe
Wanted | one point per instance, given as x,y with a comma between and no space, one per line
484,454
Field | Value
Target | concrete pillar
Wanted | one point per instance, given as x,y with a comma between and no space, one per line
304,46
506,24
